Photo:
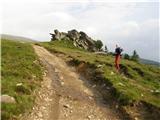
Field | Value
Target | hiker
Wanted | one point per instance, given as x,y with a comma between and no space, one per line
118,51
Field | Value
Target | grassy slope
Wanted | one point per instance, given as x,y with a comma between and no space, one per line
18,66
137,83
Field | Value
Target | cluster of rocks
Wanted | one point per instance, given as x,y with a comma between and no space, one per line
9,99
80,39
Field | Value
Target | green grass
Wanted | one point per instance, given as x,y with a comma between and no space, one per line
18,66
137,82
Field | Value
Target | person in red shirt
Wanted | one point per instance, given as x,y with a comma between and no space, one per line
118,51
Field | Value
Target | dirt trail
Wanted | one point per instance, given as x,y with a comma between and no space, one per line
65,96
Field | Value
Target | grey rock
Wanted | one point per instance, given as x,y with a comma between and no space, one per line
66,106
91,98
62,83
135,118
74,35
7,99
89,117
71,111
101,53
66,115
99,66
58,35
19,84
121,84
39,114
44,74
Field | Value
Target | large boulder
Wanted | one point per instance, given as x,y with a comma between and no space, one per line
58,35
89,42
73,34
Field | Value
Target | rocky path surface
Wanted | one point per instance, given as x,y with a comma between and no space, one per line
65,96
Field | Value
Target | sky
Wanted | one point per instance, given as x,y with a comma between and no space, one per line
132,24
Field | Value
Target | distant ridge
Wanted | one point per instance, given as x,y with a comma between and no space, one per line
16,38
149,62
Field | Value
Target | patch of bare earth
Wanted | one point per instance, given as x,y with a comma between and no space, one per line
64,95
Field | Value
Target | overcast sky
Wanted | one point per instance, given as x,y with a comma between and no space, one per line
132,24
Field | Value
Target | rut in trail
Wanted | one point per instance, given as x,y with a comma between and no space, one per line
64,96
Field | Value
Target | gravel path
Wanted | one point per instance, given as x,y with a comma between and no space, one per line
65,96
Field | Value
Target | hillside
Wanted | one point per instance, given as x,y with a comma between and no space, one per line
21,74
137,85
150,62
15,38
77,84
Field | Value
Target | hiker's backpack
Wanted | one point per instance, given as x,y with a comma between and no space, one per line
118,51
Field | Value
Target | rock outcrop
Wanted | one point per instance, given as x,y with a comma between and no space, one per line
80,39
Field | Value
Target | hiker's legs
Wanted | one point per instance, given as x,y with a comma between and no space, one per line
116,62
117,59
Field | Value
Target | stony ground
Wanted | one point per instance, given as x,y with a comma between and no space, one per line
64,95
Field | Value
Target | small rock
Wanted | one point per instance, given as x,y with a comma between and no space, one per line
93,86
35,62
33,76
45,71
66,115
89,117
152,91
125,77
99,66
50,100
46,99
62,83
71,111
112,73
108,88
90,98
44,74
142,95
103,85
39,114
157,91
117,106
19,84
66,106
69,96
121,84
56,70
136,118
43,107
7,99
61,77
59,95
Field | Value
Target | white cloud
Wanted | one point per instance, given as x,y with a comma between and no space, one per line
129,28
61,16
